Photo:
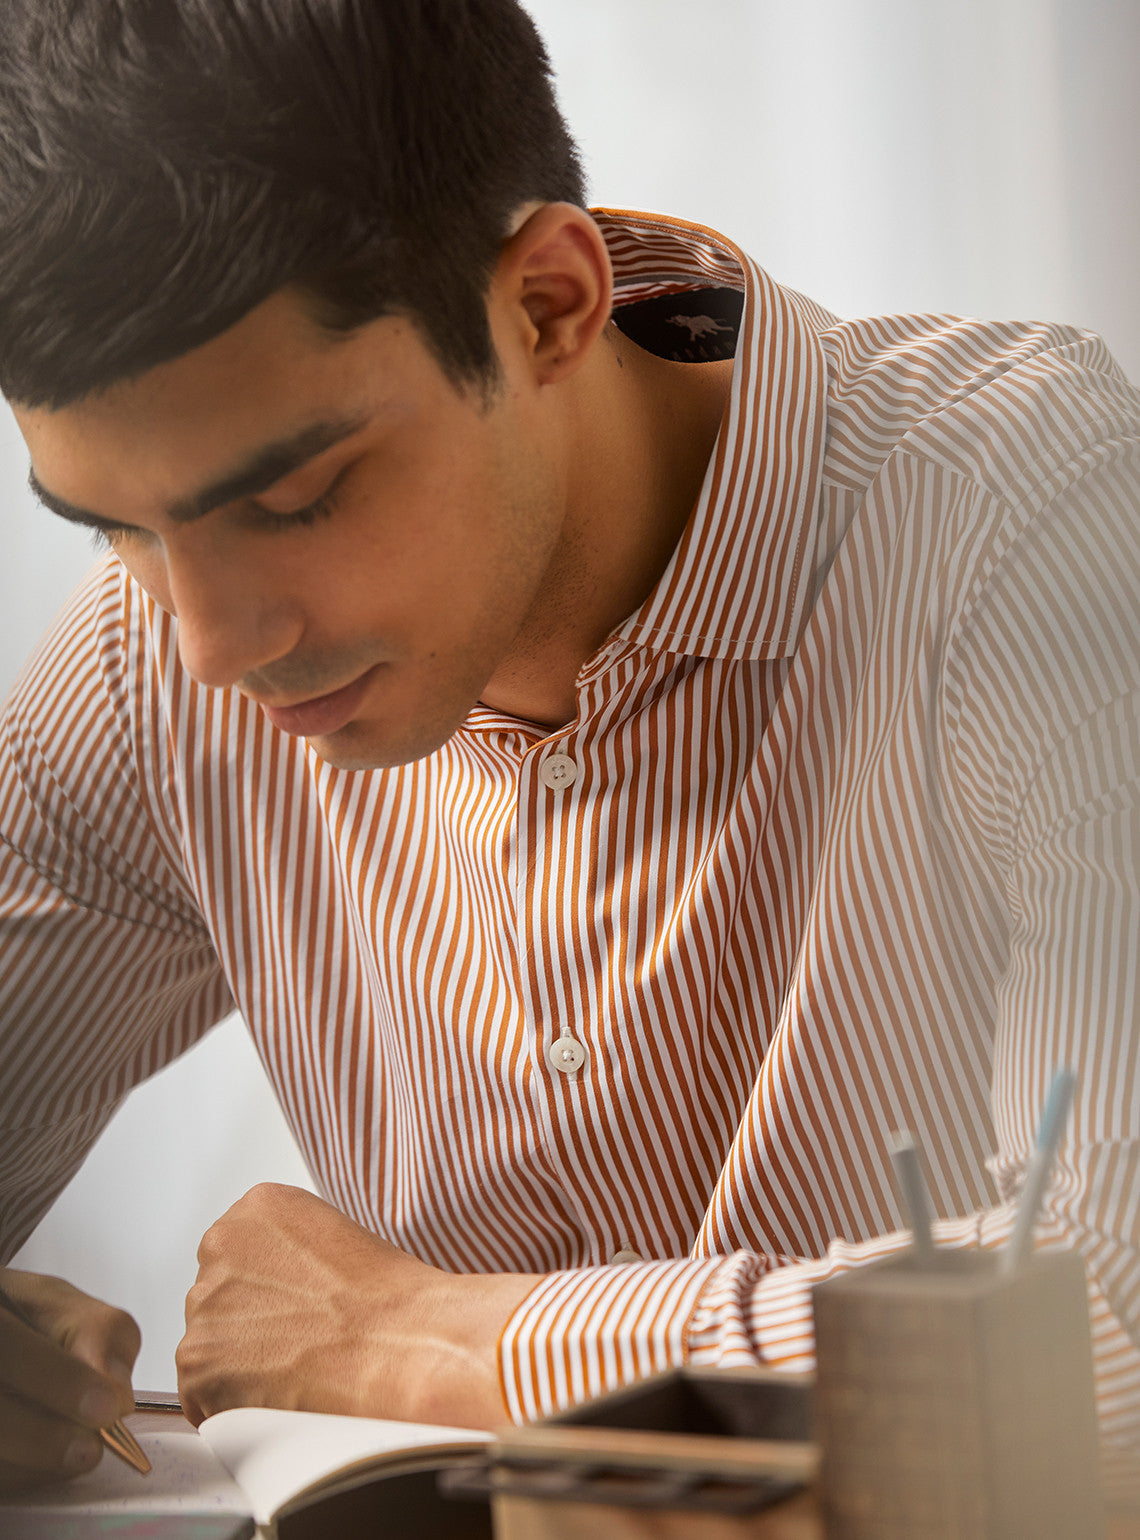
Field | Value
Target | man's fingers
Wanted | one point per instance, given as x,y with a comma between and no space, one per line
100,1335
38,1373
38,1446
108,1340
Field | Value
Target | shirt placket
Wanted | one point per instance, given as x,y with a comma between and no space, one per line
554,904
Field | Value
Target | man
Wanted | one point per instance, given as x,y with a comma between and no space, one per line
626,740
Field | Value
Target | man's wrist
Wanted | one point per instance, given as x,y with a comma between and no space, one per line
452,1376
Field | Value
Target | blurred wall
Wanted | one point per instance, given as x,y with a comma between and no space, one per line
967,155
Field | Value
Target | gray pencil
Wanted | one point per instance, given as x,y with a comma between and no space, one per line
912,1192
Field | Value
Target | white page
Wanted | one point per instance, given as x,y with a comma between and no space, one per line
273,1456
186,1477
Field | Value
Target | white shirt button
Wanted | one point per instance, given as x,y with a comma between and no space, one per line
558,771
566,1054
624,1255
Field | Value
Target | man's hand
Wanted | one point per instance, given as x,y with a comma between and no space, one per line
61,1380
296,1306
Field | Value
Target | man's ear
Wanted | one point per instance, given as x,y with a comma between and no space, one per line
554,278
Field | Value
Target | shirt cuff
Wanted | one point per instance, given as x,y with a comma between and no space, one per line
590,1330
580,1333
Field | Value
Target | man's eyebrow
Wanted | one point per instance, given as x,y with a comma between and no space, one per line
67,510
259,472
265,467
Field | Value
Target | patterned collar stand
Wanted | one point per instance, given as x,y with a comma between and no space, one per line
739,583
697,327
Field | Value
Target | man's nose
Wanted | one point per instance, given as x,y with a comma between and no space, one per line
231,618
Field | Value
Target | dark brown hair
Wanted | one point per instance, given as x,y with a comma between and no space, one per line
165,165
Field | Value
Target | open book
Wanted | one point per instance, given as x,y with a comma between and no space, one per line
251,1470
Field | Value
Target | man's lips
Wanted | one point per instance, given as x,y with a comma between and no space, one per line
323,714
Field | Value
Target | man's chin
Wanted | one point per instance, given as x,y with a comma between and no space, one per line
368,746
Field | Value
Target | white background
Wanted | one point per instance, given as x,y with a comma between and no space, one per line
977,156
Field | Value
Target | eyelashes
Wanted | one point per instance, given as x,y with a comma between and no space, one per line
319,508
105,536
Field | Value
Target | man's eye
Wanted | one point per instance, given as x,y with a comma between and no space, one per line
320,508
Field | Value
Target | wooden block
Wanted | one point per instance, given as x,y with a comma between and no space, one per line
953,1403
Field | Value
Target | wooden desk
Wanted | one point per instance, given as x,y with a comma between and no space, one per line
799,1519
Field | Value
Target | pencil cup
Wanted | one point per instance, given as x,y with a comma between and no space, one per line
957,1403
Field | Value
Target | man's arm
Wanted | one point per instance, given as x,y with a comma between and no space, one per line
297,1306
105,974
107,971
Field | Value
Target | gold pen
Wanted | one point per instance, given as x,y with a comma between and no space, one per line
118,1439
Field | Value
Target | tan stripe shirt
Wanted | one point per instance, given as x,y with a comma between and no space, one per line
844,838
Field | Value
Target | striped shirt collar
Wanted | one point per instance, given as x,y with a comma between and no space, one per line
739,583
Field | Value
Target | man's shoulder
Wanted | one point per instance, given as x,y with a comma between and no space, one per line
1002,403
87,646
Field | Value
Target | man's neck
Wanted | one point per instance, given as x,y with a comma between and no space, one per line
646,432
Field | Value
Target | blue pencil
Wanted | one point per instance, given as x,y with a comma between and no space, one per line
1019,1246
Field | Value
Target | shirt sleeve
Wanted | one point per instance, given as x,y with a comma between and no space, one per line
1046,766
106,968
